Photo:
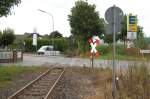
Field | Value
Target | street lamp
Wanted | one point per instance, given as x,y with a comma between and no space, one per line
52,24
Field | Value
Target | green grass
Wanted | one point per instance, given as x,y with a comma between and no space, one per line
121,57
8,72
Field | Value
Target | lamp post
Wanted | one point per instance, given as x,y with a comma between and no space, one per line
52,23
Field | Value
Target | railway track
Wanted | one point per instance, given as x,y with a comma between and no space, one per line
41,87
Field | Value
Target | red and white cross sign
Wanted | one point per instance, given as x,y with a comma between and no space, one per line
94,41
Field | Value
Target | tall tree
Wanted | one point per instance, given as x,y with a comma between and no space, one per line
6,6
56,34
85,22
140,42
8,37
123,35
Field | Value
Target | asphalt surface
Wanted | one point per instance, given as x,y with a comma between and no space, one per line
42,60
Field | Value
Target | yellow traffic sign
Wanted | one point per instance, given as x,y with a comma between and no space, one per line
133,28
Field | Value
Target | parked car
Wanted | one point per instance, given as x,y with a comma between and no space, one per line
45,49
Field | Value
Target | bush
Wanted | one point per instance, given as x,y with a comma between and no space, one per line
28,45
141,43
60,44
121,49
132,51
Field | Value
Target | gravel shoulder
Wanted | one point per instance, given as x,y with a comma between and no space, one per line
84,83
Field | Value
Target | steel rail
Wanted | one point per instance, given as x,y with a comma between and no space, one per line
58,79
29,84
19,92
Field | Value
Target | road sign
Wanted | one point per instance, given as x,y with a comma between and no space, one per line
131,27
131,35
145,51
109,17
94,41
132,19
131,23
109,28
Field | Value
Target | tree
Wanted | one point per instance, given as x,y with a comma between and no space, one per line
6,6
85,22
140,42
55,34
123,34
140,33
8,37
108,38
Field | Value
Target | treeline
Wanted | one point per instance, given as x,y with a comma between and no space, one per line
7,37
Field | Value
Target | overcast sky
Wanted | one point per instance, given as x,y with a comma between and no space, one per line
27,17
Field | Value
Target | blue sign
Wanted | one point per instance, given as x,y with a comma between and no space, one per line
132,19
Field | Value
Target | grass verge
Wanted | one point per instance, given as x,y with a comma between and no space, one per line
7,73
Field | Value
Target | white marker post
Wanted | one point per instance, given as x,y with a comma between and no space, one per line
34,43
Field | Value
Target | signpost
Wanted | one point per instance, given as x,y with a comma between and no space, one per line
114,16
131,27
34,42
94,41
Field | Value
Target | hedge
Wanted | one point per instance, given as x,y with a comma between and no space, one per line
60,44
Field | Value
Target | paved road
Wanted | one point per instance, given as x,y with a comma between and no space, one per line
38,60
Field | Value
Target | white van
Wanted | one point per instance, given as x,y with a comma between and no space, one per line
44,49
48,50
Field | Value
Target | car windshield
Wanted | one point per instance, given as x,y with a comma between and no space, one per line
43,48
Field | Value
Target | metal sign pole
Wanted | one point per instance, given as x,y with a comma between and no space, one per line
36,48
114,52
92,60
114,17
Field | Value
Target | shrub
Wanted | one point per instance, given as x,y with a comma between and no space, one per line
104,49
121,49
60,44
132,51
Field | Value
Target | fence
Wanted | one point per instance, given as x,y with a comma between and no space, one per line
52,53
11,56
